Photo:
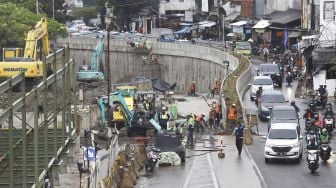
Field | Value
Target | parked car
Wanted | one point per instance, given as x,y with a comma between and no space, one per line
260,81
272,70
283,114
284,142
268,99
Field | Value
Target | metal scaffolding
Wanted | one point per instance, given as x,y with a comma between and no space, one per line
36,126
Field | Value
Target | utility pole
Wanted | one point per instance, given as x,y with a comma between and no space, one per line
223,18
53,2
37,7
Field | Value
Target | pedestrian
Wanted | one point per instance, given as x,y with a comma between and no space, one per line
232,116
239,133
265,52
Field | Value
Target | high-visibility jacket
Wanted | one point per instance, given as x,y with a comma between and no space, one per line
191,122
232,115
164,115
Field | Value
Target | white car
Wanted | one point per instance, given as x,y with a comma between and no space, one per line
260,81
284,142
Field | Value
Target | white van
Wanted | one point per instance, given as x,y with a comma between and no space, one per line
284,142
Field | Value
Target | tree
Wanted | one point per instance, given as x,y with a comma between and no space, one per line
125,10
16,21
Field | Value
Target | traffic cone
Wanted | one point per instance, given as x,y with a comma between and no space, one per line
221,153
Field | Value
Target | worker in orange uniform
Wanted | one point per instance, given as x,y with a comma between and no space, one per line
200,123
193,89
232,116
212,117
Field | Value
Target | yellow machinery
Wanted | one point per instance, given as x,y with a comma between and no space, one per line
127,92
14,63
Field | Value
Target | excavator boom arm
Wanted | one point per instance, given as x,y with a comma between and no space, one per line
40,31
97,56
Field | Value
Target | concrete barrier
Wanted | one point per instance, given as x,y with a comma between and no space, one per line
242,86
178,63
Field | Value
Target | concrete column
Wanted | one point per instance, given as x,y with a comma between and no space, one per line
54,174
64,158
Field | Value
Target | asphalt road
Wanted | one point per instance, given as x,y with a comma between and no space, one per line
281,174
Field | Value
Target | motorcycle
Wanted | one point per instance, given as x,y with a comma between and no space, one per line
320,101
329,123
312,151
325,150
152,158
313,160
289,78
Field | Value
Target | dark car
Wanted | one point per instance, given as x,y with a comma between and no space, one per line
170,142
268,99
283,114
272,70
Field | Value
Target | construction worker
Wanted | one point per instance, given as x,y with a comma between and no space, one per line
147,105
199,123
193,89
212,117
218,118
163,118
232,116
238,131
191,127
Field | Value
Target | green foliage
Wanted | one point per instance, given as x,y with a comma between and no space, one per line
28,4
85,12
16,21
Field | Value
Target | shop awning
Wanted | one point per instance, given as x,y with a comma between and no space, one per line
240,23
294,34
204,24
284,17
262,24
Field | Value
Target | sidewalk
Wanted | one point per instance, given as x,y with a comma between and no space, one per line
232,171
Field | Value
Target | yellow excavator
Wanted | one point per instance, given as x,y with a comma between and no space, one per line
14,62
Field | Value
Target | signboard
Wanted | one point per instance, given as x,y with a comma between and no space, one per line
89,153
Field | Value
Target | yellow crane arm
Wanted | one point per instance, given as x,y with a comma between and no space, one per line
40,31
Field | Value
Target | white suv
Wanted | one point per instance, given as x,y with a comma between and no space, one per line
260,81
284,142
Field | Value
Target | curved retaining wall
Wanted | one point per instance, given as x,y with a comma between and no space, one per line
180,63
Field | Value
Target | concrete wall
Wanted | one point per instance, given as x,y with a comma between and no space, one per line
180,63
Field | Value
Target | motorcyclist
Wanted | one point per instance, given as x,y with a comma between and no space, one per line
308,116
312,140
329,111
322,90
324,136
317,121
258,95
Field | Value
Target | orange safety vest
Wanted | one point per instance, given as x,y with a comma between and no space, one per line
231,114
